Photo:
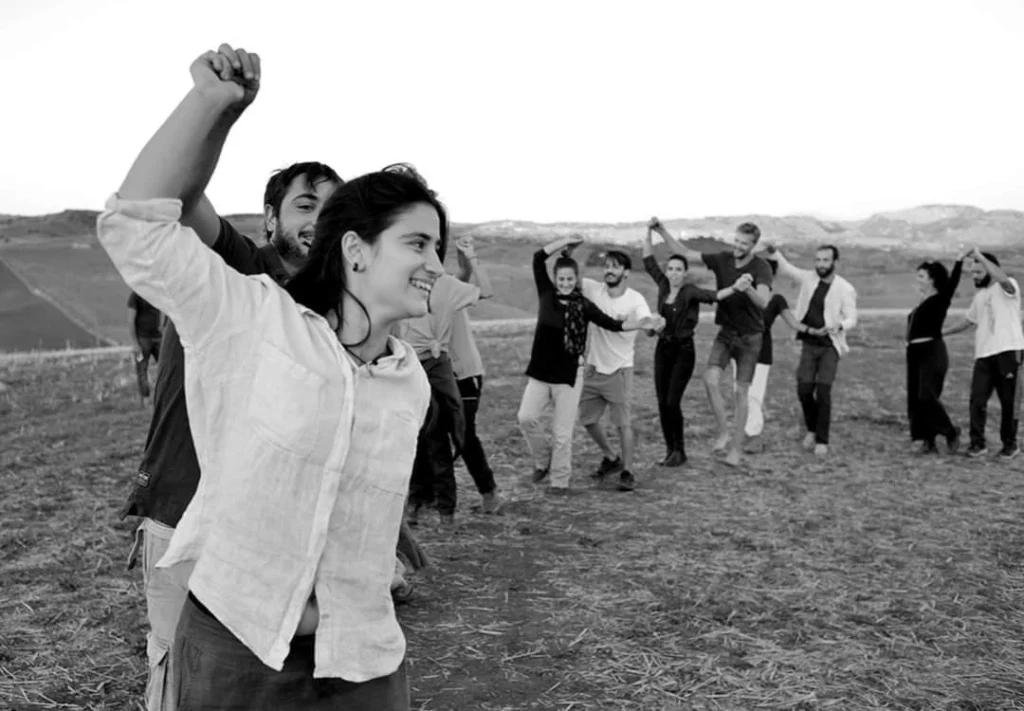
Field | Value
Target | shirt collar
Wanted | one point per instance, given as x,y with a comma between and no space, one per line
272,260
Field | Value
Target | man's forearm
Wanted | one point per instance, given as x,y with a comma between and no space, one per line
483,279
676,245
179,159
959,328
760,300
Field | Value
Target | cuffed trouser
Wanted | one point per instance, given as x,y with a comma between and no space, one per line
551,448
814,378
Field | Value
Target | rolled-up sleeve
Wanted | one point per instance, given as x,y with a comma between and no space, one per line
167,264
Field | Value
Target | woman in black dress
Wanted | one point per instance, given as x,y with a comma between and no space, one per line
675,354
928,359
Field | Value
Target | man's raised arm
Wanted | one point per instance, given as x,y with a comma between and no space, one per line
180,158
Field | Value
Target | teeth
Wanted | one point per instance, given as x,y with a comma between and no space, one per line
422,285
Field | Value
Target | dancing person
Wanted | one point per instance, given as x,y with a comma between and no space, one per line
928,359
468,367
554,373
740,318
826,307
144,326
608,371
180,159
678,305
433,476
995,313
777,307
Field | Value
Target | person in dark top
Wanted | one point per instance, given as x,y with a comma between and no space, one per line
928,359
553,373
144,322
741,325
678,306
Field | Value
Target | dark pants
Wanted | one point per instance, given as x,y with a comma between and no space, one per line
433,469
814,378
473,455
216,672
927,364
996,373
673,368
149,348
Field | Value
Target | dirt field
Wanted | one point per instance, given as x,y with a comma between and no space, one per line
874,579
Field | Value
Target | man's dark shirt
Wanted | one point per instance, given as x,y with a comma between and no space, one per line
169,472
738,313
815,316
147,317
776,305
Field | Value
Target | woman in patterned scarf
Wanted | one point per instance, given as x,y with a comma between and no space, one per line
563,314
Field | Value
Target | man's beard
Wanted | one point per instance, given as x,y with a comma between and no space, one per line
825,272
612,280
288,246
983,282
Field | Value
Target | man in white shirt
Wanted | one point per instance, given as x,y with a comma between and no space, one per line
826,308
995,313
608,375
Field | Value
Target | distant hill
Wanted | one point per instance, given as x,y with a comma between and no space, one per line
57,256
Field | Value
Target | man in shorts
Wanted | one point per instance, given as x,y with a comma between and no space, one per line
608,373
740,318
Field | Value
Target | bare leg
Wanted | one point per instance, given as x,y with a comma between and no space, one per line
626,440
739,422
712,379
596,433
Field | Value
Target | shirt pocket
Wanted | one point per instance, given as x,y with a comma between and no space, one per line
286,401
394,451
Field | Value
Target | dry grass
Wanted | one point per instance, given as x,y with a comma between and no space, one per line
873,580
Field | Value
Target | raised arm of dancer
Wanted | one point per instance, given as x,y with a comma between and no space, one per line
477,271
999,276
559,244
465,272
954,281
786,268
675,244
651,264
180,158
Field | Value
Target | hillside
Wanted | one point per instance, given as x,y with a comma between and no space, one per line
58,256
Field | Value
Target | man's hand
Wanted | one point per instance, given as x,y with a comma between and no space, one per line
230,74
410,549
653,223
744,283
465,247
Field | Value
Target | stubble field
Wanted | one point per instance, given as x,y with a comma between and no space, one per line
873,579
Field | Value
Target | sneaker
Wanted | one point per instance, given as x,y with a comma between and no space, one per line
1009,451
676,459
820,450
626,481
607,467
809,441
976,450
490,503
664,460
540,475
953,441
925,447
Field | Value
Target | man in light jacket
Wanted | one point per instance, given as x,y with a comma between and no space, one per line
826,309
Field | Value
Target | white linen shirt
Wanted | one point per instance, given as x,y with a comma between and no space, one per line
305,458
840,302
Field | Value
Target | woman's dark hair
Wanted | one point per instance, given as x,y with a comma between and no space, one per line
678,258
566,262
367,205
937,272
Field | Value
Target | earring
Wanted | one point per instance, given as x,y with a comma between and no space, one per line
357,267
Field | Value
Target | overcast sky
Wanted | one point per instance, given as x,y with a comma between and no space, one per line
549,110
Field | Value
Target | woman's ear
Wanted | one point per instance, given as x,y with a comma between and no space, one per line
353,251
